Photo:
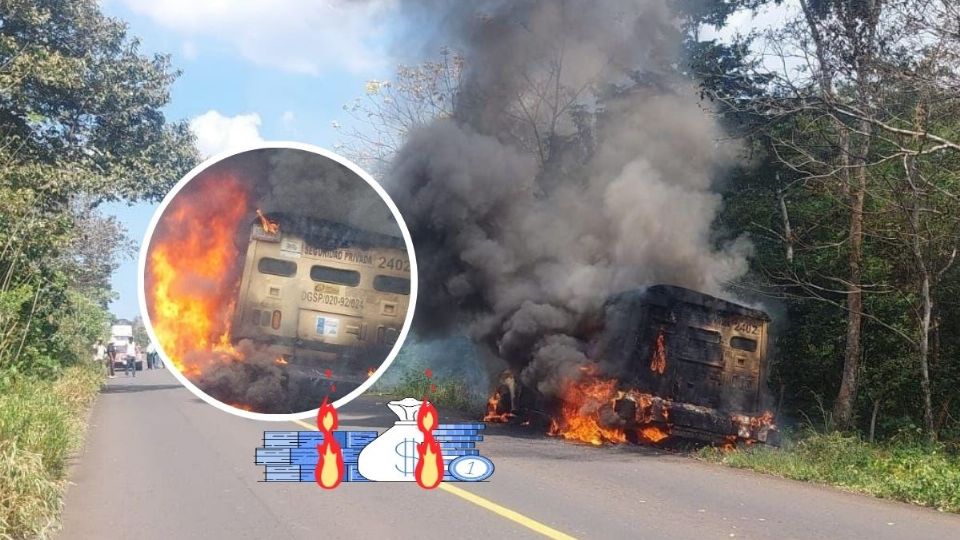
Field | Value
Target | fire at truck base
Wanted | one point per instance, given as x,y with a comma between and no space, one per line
674,364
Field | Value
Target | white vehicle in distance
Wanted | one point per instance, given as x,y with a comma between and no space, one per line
121,337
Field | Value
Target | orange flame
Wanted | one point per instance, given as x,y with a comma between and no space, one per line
493,405
584,400
658,362
429,470
729,443
579,415
427,418
370,372
193,270
329,470
653,434
271,227
280,361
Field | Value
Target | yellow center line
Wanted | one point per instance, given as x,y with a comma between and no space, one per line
505,512
487,504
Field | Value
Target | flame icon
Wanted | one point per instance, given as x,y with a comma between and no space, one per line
429,471
329,470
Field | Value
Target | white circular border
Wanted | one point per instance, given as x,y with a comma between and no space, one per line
266,146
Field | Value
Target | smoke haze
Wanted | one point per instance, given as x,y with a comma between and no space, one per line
299,182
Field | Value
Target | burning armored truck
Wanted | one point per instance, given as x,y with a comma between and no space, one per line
322,295
673,362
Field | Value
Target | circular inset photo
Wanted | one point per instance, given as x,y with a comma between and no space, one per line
277,277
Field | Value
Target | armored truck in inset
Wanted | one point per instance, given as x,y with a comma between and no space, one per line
323,295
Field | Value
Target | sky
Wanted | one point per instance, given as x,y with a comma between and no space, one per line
252,71
281,70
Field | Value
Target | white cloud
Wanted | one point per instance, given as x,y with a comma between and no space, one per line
291,35
217,133
287,119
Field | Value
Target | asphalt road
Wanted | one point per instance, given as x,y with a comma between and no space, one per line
160,463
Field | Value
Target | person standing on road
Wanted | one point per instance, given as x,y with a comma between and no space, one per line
153,360
132,361
111,358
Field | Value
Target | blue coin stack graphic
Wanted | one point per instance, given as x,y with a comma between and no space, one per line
291,456
457,440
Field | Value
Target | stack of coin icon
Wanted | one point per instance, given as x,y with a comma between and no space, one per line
291,456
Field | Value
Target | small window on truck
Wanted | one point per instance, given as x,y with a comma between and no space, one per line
391,284
337,276
276,267
708,336
744,344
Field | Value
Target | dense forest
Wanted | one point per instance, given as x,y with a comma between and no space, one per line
849,113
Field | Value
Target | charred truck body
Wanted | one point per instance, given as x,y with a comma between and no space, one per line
685,364
700,361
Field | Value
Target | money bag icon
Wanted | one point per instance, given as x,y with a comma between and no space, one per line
392,457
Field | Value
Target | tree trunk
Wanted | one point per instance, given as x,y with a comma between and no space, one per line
924,357
926,300
935,336
873,418
787,230
859,26
846,397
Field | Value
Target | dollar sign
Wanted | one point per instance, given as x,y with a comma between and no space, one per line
407,449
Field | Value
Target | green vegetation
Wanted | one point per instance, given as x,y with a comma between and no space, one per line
81,123
901,469
851,205
852,211
450,393
41,423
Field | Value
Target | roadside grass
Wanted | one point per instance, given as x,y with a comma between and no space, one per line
446,393
903,470
41,423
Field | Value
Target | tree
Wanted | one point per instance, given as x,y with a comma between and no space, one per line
845,115
140,336
81,122
390,109
924,166
79,97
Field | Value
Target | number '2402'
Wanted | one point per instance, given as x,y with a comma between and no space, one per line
394,263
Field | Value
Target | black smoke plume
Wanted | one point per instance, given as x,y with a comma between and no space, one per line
577,163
